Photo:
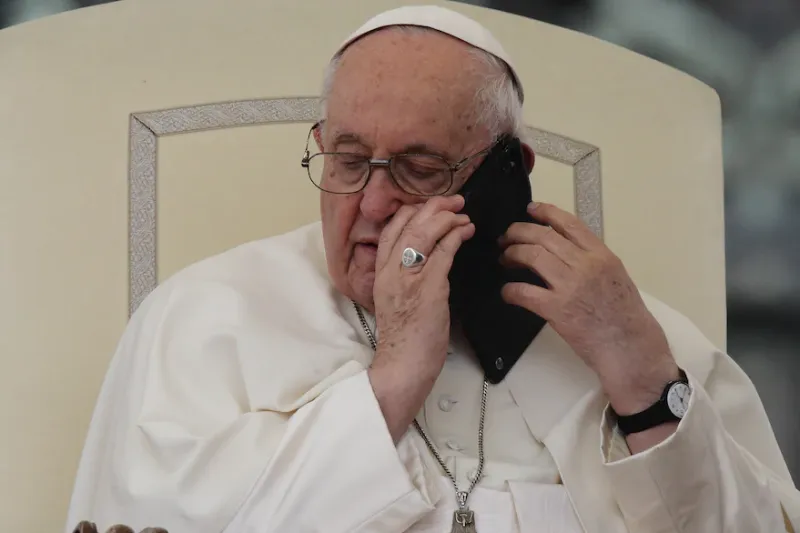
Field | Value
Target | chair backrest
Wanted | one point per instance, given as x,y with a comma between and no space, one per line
140,136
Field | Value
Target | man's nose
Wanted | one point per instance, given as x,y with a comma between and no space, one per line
381,197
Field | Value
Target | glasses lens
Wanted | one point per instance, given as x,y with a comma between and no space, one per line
338,173
423,175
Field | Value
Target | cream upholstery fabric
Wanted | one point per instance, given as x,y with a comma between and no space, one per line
88,98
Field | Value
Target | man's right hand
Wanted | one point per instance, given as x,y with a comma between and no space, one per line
412,305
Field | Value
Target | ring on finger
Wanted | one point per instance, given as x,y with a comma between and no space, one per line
412,258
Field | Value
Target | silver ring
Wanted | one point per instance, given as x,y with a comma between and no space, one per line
412,258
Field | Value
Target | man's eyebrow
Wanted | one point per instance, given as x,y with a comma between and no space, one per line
346,138
413,148
423,148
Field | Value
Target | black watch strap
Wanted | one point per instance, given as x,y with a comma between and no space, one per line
655,415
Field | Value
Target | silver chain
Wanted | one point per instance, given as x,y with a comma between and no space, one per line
461,496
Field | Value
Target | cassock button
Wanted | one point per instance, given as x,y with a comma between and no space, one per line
499,363
446,403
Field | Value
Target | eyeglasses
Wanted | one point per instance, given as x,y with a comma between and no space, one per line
348,173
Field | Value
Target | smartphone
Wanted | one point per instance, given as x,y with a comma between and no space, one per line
496,195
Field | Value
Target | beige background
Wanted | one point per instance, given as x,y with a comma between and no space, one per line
71,82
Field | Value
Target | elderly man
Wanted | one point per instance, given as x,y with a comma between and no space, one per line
316,381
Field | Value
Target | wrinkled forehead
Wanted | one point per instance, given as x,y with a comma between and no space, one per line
414,84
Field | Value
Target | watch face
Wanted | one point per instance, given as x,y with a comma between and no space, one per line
678,399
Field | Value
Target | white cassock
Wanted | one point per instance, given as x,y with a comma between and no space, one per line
238,401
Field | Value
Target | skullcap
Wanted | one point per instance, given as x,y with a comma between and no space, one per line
443,20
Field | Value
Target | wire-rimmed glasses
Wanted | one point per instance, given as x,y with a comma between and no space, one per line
418,174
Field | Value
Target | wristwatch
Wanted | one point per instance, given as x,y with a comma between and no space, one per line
672,405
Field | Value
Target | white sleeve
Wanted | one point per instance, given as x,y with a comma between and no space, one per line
211,420
703,478
337,470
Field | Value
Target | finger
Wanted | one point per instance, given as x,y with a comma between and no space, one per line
537,258
441,258
392,231
430,223
435,205
555,243
531,297
424,236
565,224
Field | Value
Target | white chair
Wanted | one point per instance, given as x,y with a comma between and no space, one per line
140,136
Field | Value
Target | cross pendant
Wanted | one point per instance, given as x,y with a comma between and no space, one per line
464,521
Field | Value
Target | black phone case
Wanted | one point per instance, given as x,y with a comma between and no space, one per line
496,195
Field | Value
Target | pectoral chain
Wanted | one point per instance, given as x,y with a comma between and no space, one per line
463,517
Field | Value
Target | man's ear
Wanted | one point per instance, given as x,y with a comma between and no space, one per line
528,157
318,137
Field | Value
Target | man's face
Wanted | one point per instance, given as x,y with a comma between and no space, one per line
393,93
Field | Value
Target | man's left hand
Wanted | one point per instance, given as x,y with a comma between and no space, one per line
592,303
